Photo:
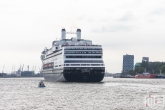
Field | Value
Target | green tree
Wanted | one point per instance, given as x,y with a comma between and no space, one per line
145,65
162,69
139,70
154,67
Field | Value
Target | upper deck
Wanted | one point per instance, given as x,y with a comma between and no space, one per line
71,46
82,45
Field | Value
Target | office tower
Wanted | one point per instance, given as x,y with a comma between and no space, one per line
128,62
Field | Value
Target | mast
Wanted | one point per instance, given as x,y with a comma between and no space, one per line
22,67
28,68
3,68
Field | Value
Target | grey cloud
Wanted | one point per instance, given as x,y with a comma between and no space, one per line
90,20
151,20
24,47
84,18
126,17
80,17
105,20
158,11
131,46
113,28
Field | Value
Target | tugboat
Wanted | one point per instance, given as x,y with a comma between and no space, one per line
41,84
160,75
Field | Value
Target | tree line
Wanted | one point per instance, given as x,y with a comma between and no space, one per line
150,67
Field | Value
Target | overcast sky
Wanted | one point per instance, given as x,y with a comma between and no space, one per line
135,27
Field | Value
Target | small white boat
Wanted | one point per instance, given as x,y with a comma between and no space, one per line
41,84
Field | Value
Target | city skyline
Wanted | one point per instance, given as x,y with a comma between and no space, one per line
122,27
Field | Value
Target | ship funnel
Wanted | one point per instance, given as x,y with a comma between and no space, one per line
78,33
63,34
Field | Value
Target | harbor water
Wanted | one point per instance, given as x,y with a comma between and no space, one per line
110,94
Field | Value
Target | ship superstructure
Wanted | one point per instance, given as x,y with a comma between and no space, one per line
73,60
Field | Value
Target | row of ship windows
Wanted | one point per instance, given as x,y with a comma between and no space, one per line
83,61
48,65
83,49
83,56
83,52
51,66
53,53
84,64
81,68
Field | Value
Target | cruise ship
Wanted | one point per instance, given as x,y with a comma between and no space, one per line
73,60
